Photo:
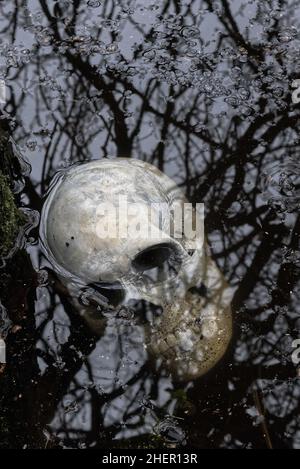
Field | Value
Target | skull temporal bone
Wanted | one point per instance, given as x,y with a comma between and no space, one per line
70,236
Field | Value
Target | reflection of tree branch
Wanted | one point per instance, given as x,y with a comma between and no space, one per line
122,139
233,31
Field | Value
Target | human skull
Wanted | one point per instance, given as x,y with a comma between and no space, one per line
90,245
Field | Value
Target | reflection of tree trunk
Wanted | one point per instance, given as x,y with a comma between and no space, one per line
160,150
48,390
29,399
18,297
15,281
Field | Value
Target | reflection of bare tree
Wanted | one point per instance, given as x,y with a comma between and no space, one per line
201,90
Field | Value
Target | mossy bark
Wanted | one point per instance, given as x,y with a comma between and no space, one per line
10,216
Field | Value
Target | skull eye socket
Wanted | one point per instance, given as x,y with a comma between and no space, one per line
155,256
158,263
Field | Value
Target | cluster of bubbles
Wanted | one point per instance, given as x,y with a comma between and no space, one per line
14,56
281,186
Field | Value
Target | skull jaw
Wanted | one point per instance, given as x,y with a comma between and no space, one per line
194,332
184,351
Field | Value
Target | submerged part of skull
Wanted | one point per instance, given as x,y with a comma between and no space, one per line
193,334
92,231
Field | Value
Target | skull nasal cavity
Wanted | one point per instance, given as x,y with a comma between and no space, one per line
154,256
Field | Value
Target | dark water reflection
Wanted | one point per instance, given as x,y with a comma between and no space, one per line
203,90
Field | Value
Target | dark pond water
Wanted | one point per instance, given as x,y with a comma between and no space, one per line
207,92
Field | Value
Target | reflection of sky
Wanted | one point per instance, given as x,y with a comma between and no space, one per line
132,29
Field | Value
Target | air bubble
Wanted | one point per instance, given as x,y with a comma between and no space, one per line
31,145
94,3
287,35
281,186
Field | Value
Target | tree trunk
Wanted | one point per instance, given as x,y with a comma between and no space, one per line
10,216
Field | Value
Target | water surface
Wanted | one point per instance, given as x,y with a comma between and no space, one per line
203,90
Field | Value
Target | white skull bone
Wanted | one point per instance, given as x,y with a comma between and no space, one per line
72,237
